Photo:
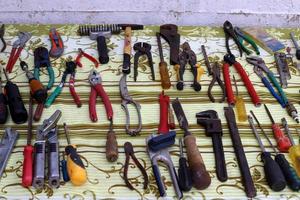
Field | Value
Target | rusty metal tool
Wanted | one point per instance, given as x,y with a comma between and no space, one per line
283,68
142,48
216,73
206,60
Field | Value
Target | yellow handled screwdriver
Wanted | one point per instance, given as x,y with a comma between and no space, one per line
75,167
294,150
240,105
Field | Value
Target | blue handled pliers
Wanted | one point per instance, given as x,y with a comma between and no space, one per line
259,68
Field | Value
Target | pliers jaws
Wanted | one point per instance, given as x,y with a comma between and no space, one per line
95,78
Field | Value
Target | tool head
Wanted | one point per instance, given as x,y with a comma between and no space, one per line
50,123
94,35
2,31
88,29
94,77
229,58
23,65
182,120
239,31
142,47
269,114
257,61
132,26
23,38
128,148
210,120
70,67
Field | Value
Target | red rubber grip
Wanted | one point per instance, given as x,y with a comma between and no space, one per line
27,166
283,142
11,55
164,102
254,97
99,90
227,81
15,58
38,112
77,60
73,92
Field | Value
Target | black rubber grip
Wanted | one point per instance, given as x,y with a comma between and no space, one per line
289,172
3,109
126,64
158,180
184,175
273,173
72,152
102,50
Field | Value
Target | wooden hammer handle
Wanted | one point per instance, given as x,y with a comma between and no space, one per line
200,176
111,146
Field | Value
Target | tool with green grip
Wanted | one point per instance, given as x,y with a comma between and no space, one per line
54,94
277,85
241,37
41,59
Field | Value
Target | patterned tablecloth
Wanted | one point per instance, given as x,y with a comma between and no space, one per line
104,178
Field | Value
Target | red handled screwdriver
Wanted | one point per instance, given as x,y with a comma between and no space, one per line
28,152
283,142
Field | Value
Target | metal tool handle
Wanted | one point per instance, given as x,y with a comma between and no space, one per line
53,164
39,165
219,157
240,153
137,106
174,178
102,50
160,184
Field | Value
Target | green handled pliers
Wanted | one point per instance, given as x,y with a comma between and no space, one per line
41,59
242,36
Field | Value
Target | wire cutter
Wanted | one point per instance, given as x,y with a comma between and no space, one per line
129,152
41,59
2,31
238,36
126,99
216,72
259,68
70,69
142,48
83,54
98,90
229,59
17,48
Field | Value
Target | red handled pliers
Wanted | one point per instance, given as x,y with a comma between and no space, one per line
17,48
229,59
98,90
91,58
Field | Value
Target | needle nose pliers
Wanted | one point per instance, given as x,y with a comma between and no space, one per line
238,36
259,68
41,59
229,59
98,90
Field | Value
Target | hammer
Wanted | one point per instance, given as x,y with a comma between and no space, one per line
127,44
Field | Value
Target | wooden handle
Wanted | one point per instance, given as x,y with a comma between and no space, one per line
200,176
127,40
111,146
164,75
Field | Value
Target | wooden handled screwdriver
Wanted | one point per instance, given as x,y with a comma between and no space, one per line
111,144
200,176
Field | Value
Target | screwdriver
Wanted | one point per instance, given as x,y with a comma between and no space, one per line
64,169
76,169
288,171
16,106
272,170
3,105
283,142
38,92
240,105
184,173
28,151
294,150
163,67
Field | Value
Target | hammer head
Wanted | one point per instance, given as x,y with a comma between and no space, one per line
132,26
94,35
210,120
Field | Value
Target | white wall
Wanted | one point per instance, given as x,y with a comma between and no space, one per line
182,12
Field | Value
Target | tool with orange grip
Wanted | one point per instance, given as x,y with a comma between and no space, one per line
229,59
57,45
70,69
283,142
89,57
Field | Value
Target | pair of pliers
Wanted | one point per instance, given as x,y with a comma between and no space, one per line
2,31
142,48
259,68
17,48
70,69
216,73
89,57
126,99
237,35
129,152
98,90
41,59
